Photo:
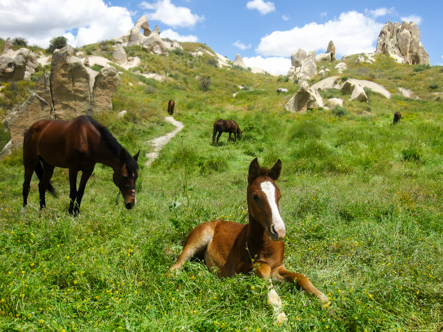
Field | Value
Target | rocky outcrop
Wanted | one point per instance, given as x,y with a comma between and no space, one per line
355,90
305,98
402,42
329,56
70,90
341,66
303,65
239,61
154,44
105,83
331,50
119,54
149,40
8,46
17,65
365,58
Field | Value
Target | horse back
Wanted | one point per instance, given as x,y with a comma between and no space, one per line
60,142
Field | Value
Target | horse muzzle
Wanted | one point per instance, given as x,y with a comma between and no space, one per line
276,233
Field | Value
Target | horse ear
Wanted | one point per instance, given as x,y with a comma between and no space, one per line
136,155
275,171
253,170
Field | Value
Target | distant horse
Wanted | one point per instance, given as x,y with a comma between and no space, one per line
233,248
227,126
78,145
171,105
281,90
397,117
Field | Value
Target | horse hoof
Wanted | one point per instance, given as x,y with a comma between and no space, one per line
281,318
324,301
23,209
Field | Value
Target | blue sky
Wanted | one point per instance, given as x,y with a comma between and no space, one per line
265,33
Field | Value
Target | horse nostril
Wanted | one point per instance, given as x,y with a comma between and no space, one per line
129,206
273,231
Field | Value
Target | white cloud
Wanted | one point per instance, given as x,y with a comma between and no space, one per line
176,36
351,33
324,14
81,21
241,46
171,15
285,17
273,65
261,6
380,12
412,18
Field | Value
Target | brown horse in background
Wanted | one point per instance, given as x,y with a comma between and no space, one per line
233,248
227,126
78,145
171,105
397,117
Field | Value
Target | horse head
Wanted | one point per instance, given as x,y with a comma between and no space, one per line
263,197
125,177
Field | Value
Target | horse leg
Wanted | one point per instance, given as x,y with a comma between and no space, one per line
229,139
219,134
213,136
29,171
48,170
263,270
72,189
195,244
302,282
86,174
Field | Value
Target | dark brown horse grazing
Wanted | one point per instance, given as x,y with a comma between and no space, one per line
397,117
78,145
171,105
227,126
234,248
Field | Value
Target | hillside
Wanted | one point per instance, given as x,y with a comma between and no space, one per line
361,199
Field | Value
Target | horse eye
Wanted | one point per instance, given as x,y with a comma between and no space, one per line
255,197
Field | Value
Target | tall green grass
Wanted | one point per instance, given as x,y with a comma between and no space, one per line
362,202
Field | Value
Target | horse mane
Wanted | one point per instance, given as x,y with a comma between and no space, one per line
112,143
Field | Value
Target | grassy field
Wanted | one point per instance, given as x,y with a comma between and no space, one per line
362,201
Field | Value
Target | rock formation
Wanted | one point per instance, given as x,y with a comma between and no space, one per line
17,65
8,46
239,61
70,90
149,40
402,42
119,54
331,50
303,65
305,98
329,56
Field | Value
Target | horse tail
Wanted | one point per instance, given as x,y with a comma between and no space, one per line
39,171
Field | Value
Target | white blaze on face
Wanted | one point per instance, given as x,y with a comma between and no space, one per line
269,190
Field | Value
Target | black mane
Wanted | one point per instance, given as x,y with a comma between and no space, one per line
114,145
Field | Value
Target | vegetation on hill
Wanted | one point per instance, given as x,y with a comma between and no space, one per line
362,201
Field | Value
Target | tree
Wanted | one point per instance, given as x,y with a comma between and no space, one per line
205,83
19,41
57,43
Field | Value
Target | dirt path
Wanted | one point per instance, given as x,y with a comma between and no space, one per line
159,142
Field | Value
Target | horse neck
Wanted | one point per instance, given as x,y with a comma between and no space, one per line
257,237
108,157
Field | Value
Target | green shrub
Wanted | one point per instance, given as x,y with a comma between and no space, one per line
410,154
418,68
340,111
433,86
214,165
57,43
18,41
